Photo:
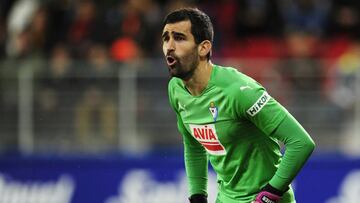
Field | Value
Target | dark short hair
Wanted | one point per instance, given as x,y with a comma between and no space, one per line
201,26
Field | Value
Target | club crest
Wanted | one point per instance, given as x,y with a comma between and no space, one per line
213,110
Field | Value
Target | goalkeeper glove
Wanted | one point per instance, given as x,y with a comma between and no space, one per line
269,194
198,198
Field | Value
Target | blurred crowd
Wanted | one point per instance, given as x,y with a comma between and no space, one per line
311,46
130,28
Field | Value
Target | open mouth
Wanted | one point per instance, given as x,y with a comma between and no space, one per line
170,60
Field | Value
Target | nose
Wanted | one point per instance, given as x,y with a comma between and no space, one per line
170,45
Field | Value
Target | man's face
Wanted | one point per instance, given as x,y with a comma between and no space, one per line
180,49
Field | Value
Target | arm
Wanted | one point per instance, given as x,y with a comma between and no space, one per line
196,163
299,147
274,121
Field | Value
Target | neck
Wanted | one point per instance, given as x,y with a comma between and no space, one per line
200,79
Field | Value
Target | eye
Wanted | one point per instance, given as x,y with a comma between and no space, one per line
165,38
179,38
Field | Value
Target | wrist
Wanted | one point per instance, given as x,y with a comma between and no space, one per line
269,194
198,198
274,190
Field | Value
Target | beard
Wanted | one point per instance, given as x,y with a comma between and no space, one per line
185,66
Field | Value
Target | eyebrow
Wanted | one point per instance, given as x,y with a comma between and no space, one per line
174,33
179,34
164,34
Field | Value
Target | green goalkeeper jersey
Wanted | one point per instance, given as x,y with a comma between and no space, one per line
232,125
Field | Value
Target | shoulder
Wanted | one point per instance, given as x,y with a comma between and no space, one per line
174,83
240,89
234,82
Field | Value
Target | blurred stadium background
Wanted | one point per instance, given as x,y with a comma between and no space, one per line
84,115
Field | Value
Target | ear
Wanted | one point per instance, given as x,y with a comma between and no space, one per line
204,48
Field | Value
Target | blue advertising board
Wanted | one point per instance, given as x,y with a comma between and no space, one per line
156,178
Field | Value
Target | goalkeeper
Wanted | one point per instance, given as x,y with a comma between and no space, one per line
227,118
